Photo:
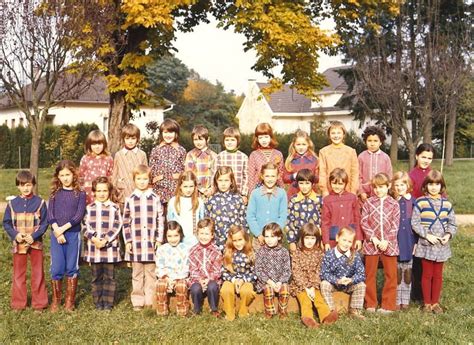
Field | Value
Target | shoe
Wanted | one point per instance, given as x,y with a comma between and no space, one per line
268,316
57,295
384,311
404,307
283,315
357,314
427,308
216,314
309,322
71,287
436,309
331,318
370,310
38,311
137,308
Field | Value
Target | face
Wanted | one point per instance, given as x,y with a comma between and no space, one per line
130,142
434,189
424,159
338,186
168,137
101,192
97,148
66,177
230,143
270,239
142,181
373,143
26,188
336,135
187,188
224,183
401,187
305,187
301,145
173,238
199,142
264,140
270,177
309,241
238,240
344,242
381,190
204,235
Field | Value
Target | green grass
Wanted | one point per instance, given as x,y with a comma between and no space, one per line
7,182
123,325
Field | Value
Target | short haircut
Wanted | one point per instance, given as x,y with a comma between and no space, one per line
104,180
206,223
275,229
305,175
309,229
381,179
338,174
95,137
169,125
373,130
201,132
269,166
336,124
264,129
141,169
130,130
172,226
231,132
24,177
434,176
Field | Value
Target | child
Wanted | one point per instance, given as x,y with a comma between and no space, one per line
126,160
340,209
238,272
264,144
186,207
172,269
205,262
142,233
66,208
96,162
301,155
401,188
342,270
306,267
201,160
103,224
267,204
273,270
338,155
25,222
226,207
235,159
167,161
372,161
380,222
303,207
434,221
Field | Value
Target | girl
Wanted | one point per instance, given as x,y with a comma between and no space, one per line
434,221
96,162
238,272
342,270
401,188
264,144
301,155
172,269
103,224
306,266
272,267
338,155
226,207
167,161
186,208
66,208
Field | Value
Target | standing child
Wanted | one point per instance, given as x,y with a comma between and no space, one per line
338,155
96,162
142,233
125,161
301,155
201,160
235,159
434,221
172,269
372,161
401,188
238,272
25,222
304,207
103,224
342,270
66,208
205,263
264,144
186,207
167,161
226,207
340,210
380,222
267,204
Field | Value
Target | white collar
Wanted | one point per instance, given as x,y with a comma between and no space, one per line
339,254
134,150
139,193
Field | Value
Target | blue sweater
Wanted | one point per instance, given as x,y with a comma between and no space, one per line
333,268
67,206
266,208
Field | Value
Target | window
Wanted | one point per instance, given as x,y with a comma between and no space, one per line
50,119
12,123
22,122
105,124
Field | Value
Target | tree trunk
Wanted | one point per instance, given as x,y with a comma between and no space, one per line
34,154
118,117
427,128
450,138
411,155
394,148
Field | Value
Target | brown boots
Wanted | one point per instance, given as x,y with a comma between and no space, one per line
71,286
57,295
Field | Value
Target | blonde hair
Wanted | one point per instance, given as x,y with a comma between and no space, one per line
186,176
231,132
95,137
223,170
380,179
141,169
230,249
292,151
405,178
351,232
336,124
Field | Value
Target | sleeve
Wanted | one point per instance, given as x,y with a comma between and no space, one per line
361,175
285,267
201,210
8,223
51,211
143,159
114,231
183,270
287,176
451,226
115,170
189,164
127,231
43,225
354,176
299,277
154,162
110,166
416,222
281,168
282,208
227,275
241,211
215,269
394,220
89,233
180,159
326,221
252,215
323,174
364,222
245,178
160,220
194,274
327,272
170,211
80,211
291,226
389,166
356,219
160,260
249,275
359,270
261,270
253,174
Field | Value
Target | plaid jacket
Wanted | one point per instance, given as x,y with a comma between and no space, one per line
238,161
205,262
203,165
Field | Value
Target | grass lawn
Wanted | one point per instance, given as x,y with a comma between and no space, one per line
123,325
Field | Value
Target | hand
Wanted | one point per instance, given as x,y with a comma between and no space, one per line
238,284
383,245
311,293
414,248
327,247
292,247
375,241
261,240
129,248
19,238
358,245
432,238
363,197
157,244
208,192
245,199
61,239
277,287
204,283
158,178
95,240
28,239
57,232
102,243
443,239
171,284
176,176
344,281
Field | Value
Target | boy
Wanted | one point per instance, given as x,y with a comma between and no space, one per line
304,207
25,222
235,159
201,160
372,161
380,221
143,233
125,161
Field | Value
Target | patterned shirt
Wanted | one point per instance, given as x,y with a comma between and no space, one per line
380,219
142,225
302,210
272,263
203,165
370,164
205,262
172,262
92,167
103,220
243,269
337,265
225,209
125,161
300,162
238,161
257,159
166,160
305,266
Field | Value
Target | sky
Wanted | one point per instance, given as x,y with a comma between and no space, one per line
218,54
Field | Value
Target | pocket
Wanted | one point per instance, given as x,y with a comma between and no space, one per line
333,232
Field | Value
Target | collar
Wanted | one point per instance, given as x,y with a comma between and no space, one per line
406,196
134,150
264,190
107,203
27,197
338,146
312,196
339,254
375,153
232,151
199,152
139,193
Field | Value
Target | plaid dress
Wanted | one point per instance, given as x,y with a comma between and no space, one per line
238,161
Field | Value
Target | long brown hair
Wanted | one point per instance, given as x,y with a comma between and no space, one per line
223,170
187,176
264,129
230,249
56,183
292,151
